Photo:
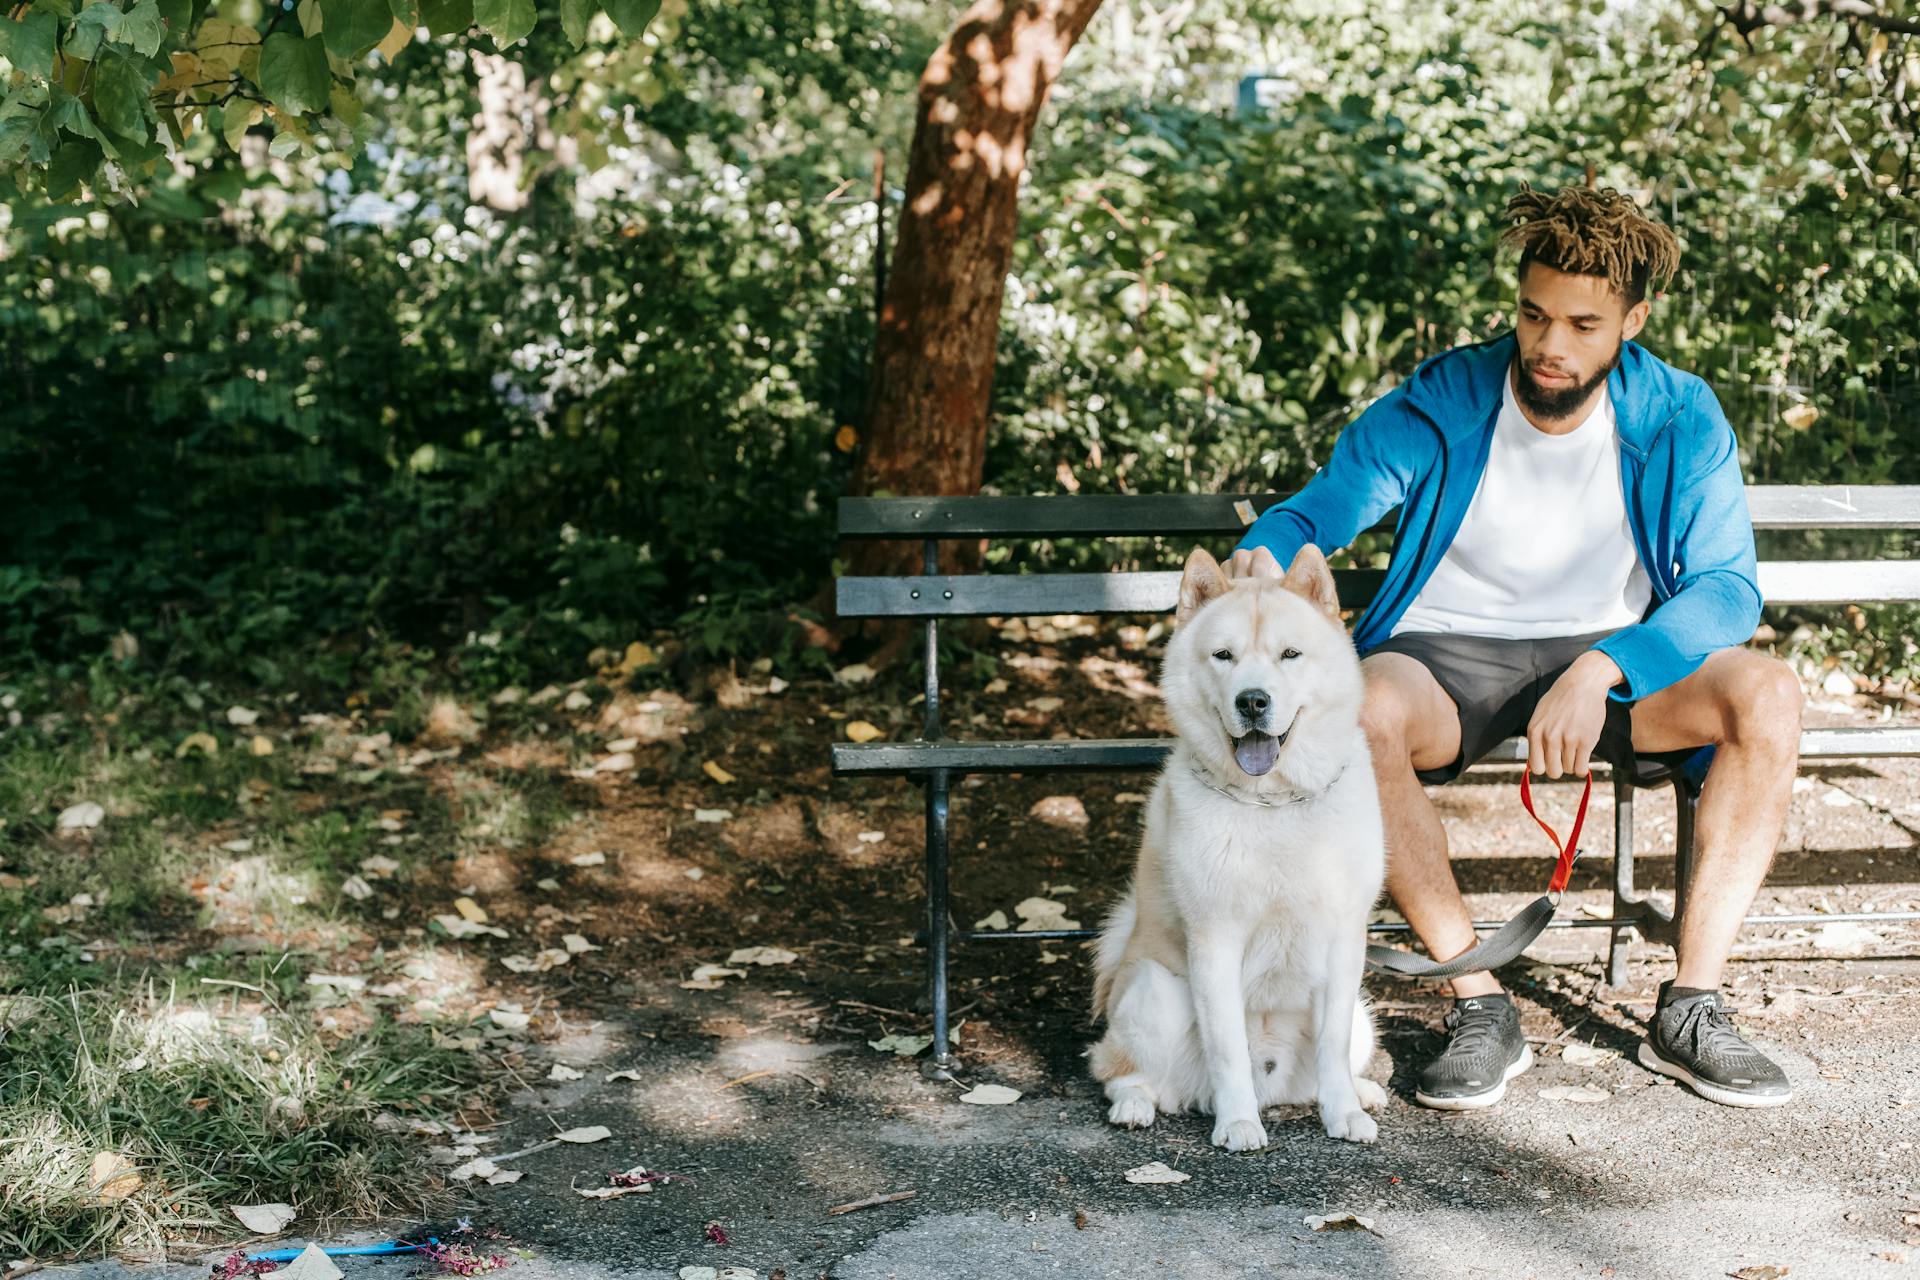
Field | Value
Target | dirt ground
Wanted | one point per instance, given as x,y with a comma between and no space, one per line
760,1093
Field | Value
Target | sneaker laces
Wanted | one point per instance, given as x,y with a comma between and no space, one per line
1473,1029
1707,1029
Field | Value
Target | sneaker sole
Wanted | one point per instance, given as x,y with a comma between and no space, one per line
1650,1059
1479,1101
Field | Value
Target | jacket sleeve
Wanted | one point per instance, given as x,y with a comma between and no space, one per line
1367,476
1716,603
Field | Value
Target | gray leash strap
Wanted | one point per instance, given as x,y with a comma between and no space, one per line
1512,938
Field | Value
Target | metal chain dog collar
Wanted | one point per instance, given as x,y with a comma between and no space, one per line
1298,797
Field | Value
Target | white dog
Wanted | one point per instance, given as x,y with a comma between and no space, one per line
1229,974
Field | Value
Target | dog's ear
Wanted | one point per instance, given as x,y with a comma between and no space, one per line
1309,576
1200,582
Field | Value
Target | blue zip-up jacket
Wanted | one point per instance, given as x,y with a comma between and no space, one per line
1423,446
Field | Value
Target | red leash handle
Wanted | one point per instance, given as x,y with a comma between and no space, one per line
1563,868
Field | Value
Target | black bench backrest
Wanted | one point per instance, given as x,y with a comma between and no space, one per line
1790,507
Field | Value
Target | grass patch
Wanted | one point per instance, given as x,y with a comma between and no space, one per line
212,1102
153,999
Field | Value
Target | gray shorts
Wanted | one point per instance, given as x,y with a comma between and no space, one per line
1495,685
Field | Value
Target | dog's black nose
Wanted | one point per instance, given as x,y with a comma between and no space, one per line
1252,704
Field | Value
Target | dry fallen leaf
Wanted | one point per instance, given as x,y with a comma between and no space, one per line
718,774
905,1046
379,866
1767,1272
509,1019
1155,1173
612,1193
591,1133
707,977
205,743
260,745
561,1071
470,909
312,1264
478,1167
80,816
990,1095
861,731
113,1177
458,927
713,815
762,956
998,920
1575,1093
622,1075
263,1219
1583,1055
1339,1222
576,943
594,859
356,888
237,715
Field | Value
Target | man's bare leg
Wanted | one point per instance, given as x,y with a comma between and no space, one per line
1412,724
1748,706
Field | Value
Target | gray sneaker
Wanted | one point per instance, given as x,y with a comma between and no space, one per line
1693,1040
1485,1049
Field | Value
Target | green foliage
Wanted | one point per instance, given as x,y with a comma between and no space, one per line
149,75
306,414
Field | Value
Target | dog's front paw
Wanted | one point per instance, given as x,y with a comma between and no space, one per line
1134,1111
1239,1135
1353,1126
1372,1096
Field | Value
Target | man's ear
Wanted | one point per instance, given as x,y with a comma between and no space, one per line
1309,576
1200,582
1636,320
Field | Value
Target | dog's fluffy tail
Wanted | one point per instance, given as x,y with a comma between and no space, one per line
1114,936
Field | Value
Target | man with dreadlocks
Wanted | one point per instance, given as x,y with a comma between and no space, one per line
1573,559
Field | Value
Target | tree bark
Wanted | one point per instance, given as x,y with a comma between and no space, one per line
980,98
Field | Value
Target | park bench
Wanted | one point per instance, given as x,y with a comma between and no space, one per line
936,760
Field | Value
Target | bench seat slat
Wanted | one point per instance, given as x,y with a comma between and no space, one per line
1181,514
1156,591
1047,754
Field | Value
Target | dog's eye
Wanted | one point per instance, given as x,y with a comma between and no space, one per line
1225,655
1290,653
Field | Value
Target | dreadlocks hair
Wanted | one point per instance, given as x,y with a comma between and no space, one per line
1589,232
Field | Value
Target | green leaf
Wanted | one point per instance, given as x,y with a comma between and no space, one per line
95,23
120,98
407,11
574,17
294,73
446,17
29,43
632,16
140,27
507,21
354,26
77,160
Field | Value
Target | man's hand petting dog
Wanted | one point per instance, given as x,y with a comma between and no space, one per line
1567,722
1257,563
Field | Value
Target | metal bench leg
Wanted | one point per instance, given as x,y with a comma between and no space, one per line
1623,895
1686,801
940,1066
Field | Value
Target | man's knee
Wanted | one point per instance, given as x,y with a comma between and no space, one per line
1764,705
1383,718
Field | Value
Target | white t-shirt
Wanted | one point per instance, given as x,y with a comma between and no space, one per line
1545,549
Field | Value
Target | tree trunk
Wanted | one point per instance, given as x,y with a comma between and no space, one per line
980,97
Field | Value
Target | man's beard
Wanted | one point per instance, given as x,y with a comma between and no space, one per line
1557,404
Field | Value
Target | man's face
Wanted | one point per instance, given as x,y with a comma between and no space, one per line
1570,330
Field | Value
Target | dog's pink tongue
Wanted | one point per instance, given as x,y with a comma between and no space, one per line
1256,752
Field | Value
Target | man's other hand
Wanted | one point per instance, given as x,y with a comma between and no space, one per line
1567,722
1257,563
